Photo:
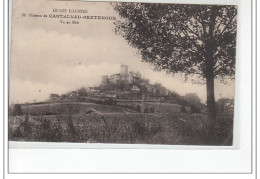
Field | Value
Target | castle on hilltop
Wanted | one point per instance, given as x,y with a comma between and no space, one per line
130,77
127,85
132,81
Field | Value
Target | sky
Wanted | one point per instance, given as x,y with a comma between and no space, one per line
50,57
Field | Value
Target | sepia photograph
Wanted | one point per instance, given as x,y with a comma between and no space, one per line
122,73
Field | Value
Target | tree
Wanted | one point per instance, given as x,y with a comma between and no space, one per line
82,91
193,98
17,110
122,85
189,39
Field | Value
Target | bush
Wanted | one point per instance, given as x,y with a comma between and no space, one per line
139,128
183,109
46,124
72,129
48,131
17,110
138,108
146,110
195,109
17,132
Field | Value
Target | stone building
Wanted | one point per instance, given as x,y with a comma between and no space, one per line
54,97
130,77
114,78
134,77
124,72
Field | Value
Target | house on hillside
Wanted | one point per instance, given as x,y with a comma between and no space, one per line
135,89
64,96
225,104
54,97
167,92
110,95
229,104
73,94
93,90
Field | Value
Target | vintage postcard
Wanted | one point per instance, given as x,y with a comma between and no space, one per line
122,73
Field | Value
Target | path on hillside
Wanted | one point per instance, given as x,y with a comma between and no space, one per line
99,108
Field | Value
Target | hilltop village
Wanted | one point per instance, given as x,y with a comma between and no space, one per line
129,86
124,85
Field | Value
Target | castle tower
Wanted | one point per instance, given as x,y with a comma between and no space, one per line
124,70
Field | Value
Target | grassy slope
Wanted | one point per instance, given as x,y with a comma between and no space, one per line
72,122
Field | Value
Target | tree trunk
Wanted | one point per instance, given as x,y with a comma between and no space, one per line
210,46
211,110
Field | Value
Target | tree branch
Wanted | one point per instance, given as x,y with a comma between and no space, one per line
232,29
231,19
219,24
202,24
191,31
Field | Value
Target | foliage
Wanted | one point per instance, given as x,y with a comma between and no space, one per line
195,109
48,131
193,97
175,37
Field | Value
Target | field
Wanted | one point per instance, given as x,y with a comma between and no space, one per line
95,123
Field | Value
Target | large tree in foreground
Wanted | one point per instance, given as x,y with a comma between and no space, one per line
187,39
